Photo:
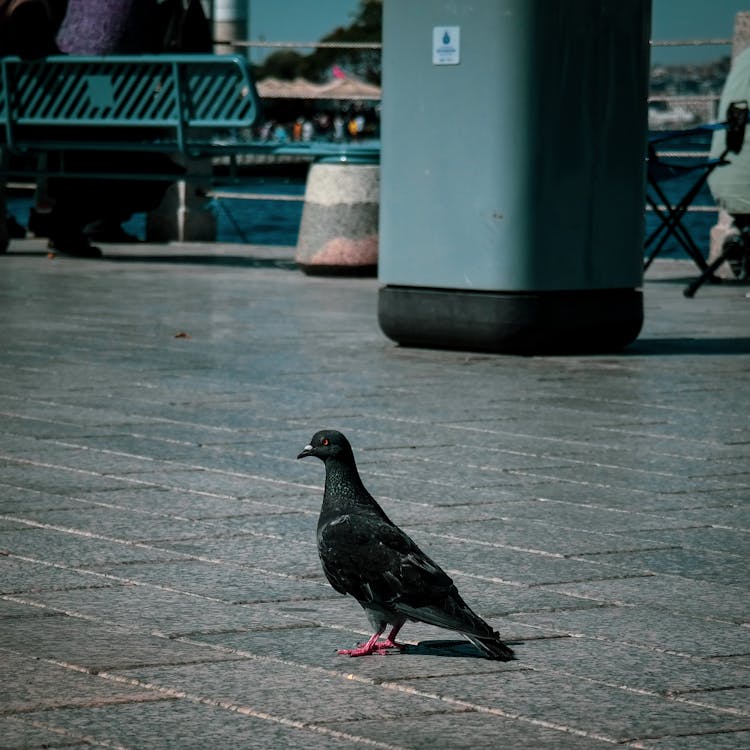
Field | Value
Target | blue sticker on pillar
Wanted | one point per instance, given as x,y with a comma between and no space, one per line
446,45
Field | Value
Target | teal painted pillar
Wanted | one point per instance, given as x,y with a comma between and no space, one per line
512,173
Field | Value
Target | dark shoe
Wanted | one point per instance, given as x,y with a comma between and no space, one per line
40,223
78,246
15,230
109,231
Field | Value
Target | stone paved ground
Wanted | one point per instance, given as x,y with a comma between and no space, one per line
159,585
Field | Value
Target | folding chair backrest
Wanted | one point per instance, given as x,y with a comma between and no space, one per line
736,123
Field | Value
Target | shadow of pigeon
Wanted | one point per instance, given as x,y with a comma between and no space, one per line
457,648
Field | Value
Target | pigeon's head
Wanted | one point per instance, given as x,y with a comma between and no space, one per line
327,444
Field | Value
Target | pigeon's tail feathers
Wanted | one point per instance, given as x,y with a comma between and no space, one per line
453,613
492,648
438,615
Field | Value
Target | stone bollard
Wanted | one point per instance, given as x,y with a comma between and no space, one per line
338,234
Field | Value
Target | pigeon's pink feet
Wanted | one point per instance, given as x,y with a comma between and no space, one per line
380,648
374,646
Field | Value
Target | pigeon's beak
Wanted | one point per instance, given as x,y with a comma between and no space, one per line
306,451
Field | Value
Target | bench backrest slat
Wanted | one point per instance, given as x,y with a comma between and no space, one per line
58,97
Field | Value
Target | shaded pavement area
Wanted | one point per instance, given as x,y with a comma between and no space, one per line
159,582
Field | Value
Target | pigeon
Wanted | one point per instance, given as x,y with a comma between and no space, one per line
365,555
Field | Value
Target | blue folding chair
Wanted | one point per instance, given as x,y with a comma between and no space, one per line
671,213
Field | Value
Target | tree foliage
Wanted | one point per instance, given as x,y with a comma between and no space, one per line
363,63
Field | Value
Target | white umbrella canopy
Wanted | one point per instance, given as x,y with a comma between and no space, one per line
300,88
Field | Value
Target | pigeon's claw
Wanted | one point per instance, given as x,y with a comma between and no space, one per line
380,648
389,643
374,646
359,651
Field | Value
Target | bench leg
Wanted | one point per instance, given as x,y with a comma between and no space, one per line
4,233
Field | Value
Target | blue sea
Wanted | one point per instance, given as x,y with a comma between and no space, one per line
258,222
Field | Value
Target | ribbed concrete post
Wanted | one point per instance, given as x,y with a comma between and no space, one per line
230,21
339,229
184,214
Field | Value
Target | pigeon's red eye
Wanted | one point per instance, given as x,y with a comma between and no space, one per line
325,441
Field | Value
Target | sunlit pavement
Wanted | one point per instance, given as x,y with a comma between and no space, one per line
159,577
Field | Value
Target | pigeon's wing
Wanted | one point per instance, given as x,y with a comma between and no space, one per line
376,562
384,569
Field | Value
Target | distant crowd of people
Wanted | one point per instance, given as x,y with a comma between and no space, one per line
338,127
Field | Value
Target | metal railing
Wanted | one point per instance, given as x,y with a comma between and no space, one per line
710,101
374,46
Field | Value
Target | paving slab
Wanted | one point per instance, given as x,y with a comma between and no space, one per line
96,646
702,565
642,625
471,729
33,678
157,609
672,593
709,741
622,715
178,724
638,666
232,584
268,684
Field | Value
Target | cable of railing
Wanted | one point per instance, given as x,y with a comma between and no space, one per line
690,42
719,42
219,194
682,154
684,97
298,45
693,209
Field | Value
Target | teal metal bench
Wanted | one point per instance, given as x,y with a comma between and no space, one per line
187,105
192,105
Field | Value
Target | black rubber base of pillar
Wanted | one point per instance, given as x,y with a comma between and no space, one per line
513,322
341,270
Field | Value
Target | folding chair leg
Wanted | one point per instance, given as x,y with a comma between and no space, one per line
690,247
707,275
672,221
671,226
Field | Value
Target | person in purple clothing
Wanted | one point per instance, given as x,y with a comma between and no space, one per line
85,208
28,27
101,27
104,27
